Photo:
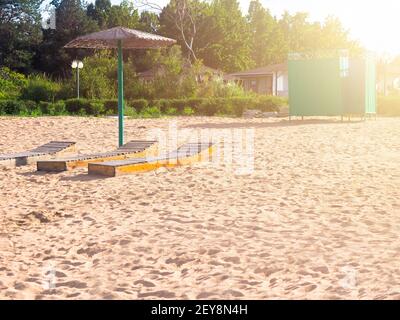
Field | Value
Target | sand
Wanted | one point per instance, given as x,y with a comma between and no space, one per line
318,218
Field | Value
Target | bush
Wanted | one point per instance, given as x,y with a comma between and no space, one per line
150,112
75,106
98,77
209,107
39,88
139,104
178,104
271,103
53,109
57,109
11,83
130,111
67,90
19,107
12,107
95,108
171,111
85,107
389,105
111,106
188,111
150,109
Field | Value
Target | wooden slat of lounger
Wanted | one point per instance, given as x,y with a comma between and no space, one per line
14,155
186,152
41,152
128,150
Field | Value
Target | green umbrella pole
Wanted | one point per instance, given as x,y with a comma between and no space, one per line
120,95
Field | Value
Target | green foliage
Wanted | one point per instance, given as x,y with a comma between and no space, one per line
145,108
389,105
171,111
267,39
125,15
11,83
67,90
100,11
223,38
53,109
130,111
72,21
96,108
150,112
111,106
139,104
19,107
209,107
217,88
229,38
20,33
11,107
39,88
188,111
74,106
98,76
85,107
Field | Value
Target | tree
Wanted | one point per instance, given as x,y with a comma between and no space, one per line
178,20
268,44
334,36
229,46
123,15
20,33
100,11
72,21
149,22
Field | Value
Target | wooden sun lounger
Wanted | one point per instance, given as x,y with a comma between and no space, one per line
132,149
45,151
186,154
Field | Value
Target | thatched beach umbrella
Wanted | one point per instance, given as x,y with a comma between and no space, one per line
120,38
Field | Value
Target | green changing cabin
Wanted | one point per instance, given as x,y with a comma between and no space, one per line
335,86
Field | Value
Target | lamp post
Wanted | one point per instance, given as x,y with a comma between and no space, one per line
76,64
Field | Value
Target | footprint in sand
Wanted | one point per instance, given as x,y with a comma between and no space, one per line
72,284
322,269
233,293
145,283
163,294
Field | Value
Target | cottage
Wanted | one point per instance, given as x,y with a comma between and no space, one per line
269,80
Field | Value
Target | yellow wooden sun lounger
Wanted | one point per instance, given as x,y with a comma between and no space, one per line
186,154
132,149
45,151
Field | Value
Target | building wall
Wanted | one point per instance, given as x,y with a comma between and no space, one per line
261,85
281,84
274,84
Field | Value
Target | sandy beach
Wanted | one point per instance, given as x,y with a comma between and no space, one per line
317,218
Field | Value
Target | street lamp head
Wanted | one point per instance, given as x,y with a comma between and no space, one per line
77,64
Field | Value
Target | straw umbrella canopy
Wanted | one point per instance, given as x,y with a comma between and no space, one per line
120,38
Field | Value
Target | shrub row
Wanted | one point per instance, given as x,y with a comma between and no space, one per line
144,108
31,108
212,106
